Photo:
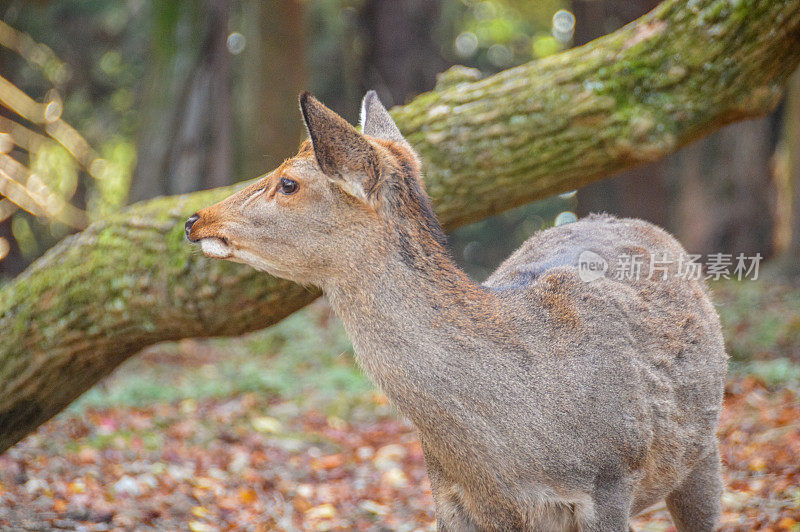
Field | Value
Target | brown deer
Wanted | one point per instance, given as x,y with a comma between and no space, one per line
543,401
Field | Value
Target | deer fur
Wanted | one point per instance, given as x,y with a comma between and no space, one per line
543,402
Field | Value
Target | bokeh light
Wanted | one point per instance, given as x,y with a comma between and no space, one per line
236,43
466,44
566,217
563,26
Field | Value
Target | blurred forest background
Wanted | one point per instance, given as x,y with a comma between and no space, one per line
151,98
104,103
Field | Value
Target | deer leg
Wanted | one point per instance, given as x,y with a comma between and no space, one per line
450,515
451,518
612,507
696,504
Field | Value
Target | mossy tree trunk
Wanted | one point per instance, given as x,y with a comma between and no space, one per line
680,72
639,192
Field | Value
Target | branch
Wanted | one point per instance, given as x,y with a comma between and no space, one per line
678,73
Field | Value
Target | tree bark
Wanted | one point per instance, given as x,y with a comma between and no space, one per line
401,52
725,192
185,140
788,262
13,263
553,125
273,74
640,192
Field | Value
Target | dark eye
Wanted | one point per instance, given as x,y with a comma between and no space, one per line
287,186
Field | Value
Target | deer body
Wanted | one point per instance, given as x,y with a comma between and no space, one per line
543,402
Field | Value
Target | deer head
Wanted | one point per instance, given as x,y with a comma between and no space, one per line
344,200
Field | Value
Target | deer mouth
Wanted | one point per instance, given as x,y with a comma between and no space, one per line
215,248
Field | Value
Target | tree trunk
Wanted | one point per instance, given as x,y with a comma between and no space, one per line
717,196
402,57
273,74
682,71
639,192
185,139
218,151
789,259
13,263
725,201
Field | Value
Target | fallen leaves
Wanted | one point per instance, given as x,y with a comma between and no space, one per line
248,462
216,465
266,424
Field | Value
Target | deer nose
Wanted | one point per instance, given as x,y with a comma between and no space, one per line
188,227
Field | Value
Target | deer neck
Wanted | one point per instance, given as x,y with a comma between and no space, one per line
409,317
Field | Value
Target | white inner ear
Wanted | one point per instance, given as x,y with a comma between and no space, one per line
376,120
362,116
352,188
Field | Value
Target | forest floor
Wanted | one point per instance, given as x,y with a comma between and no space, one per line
278,431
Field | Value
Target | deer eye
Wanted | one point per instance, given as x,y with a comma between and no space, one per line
287,186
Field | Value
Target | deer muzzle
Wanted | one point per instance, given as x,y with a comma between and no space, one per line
212,246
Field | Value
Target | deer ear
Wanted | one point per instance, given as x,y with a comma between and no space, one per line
376,120
343,154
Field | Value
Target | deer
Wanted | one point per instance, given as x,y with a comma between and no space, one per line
542,401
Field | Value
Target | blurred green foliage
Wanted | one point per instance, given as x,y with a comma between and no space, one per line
101,46
307,359
771,333
110,190
780,372
493,35
105,48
